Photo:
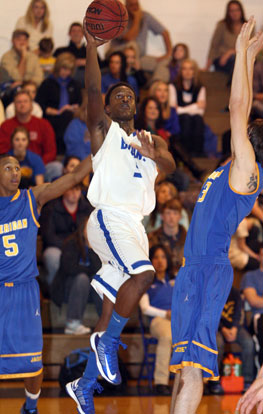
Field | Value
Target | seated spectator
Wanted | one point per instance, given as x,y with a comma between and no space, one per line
31,88
188,96
117,73
171,125
59,219
243,249
165,191
150,118
71,284
179,53
46,60
133,67
156,303
36,22
21,64
171,234
41,134
77,136
70,163
252,288
59,96
231,331
222,48
139,25
32,166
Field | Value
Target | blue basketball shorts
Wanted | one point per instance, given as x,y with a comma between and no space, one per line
200,292
21,340
122,245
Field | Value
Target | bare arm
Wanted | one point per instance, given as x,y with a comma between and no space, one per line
243,172
245,248
168,45
97,121
46,192
253,298
134,29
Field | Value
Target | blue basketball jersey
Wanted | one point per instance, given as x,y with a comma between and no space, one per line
218,211
18,233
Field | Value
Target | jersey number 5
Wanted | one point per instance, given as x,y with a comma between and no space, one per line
11,248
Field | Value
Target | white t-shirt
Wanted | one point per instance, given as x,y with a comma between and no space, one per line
123,179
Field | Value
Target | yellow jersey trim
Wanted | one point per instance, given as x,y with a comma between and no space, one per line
205,347
179,367
25,375
17,194
183,262
31,208
237,192
180,343
20,355
10,284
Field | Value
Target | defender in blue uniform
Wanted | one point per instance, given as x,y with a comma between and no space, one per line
203,283
20,320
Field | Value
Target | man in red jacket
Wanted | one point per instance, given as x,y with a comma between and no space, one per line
42,137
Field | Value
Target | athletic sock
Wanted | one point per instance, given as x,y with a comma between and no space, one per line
115,327
31,400
91,370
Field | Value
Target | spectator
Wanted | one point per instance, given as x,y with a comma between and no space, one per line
139,25
156,303
78,264
41,135
222,48
36,22
32,166
231,330
46,60
150,117
171,234
70,163
77,136
133,67
59,219
179,53
31,88
188,96
117,73
21,64
159,90
59,96
165,191
252,288
243,249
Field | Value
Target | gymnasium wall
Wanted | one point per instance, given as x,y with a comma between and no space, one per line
189,21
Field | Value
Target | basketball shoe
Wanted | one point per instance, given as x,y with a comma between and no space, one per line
83,394
25,411
107,356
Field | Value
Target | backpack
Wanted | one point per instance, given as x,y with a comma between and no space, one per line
73,366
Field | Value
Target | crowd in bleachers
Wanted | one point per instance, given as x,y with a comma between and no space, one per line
42,123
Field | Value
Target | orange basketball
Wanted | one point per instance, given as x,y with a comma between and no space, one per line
106,19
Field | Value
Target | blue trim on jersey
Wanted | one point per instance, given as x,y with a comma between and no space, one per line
106,285
141,263
137,175
109,241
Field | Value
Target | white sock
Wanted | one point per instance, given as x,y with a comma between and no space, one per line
32,396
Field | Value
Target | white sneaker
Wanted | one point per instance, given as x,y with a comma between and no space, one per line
76,329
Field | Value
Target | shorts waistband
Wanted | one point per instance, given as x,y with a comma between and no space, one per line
192,260
16,283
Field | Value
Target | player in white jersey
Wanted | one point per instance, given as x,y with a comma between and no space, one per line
122,191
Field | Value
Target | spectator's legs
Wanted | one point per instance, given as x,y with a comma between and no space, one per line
220,342
245,340
78,297
160,328
51,259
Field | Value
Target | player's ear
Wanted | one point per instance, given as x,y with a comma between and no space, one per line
107,109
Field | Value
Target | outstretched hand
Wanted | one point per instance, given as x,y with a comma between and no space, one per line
91,40
147,145
243,38
255,44
251,398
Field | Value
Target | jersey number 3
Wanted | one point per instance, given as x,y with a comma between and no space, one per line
204,192
11,247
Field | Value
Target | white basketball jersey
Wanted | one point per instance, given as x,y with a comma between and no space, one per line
123,179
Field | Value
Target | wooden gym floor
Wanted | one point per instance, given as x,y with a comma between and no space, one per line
11,400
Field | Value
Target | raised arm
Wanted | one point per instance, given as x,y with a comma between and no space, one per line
49,191
97,121
243,173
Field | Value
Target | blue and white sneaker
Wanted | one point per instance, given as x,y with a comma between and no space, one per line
83,395
107,357
24,410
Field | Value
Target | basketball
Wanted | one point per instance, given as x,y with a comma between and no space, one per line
106,19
